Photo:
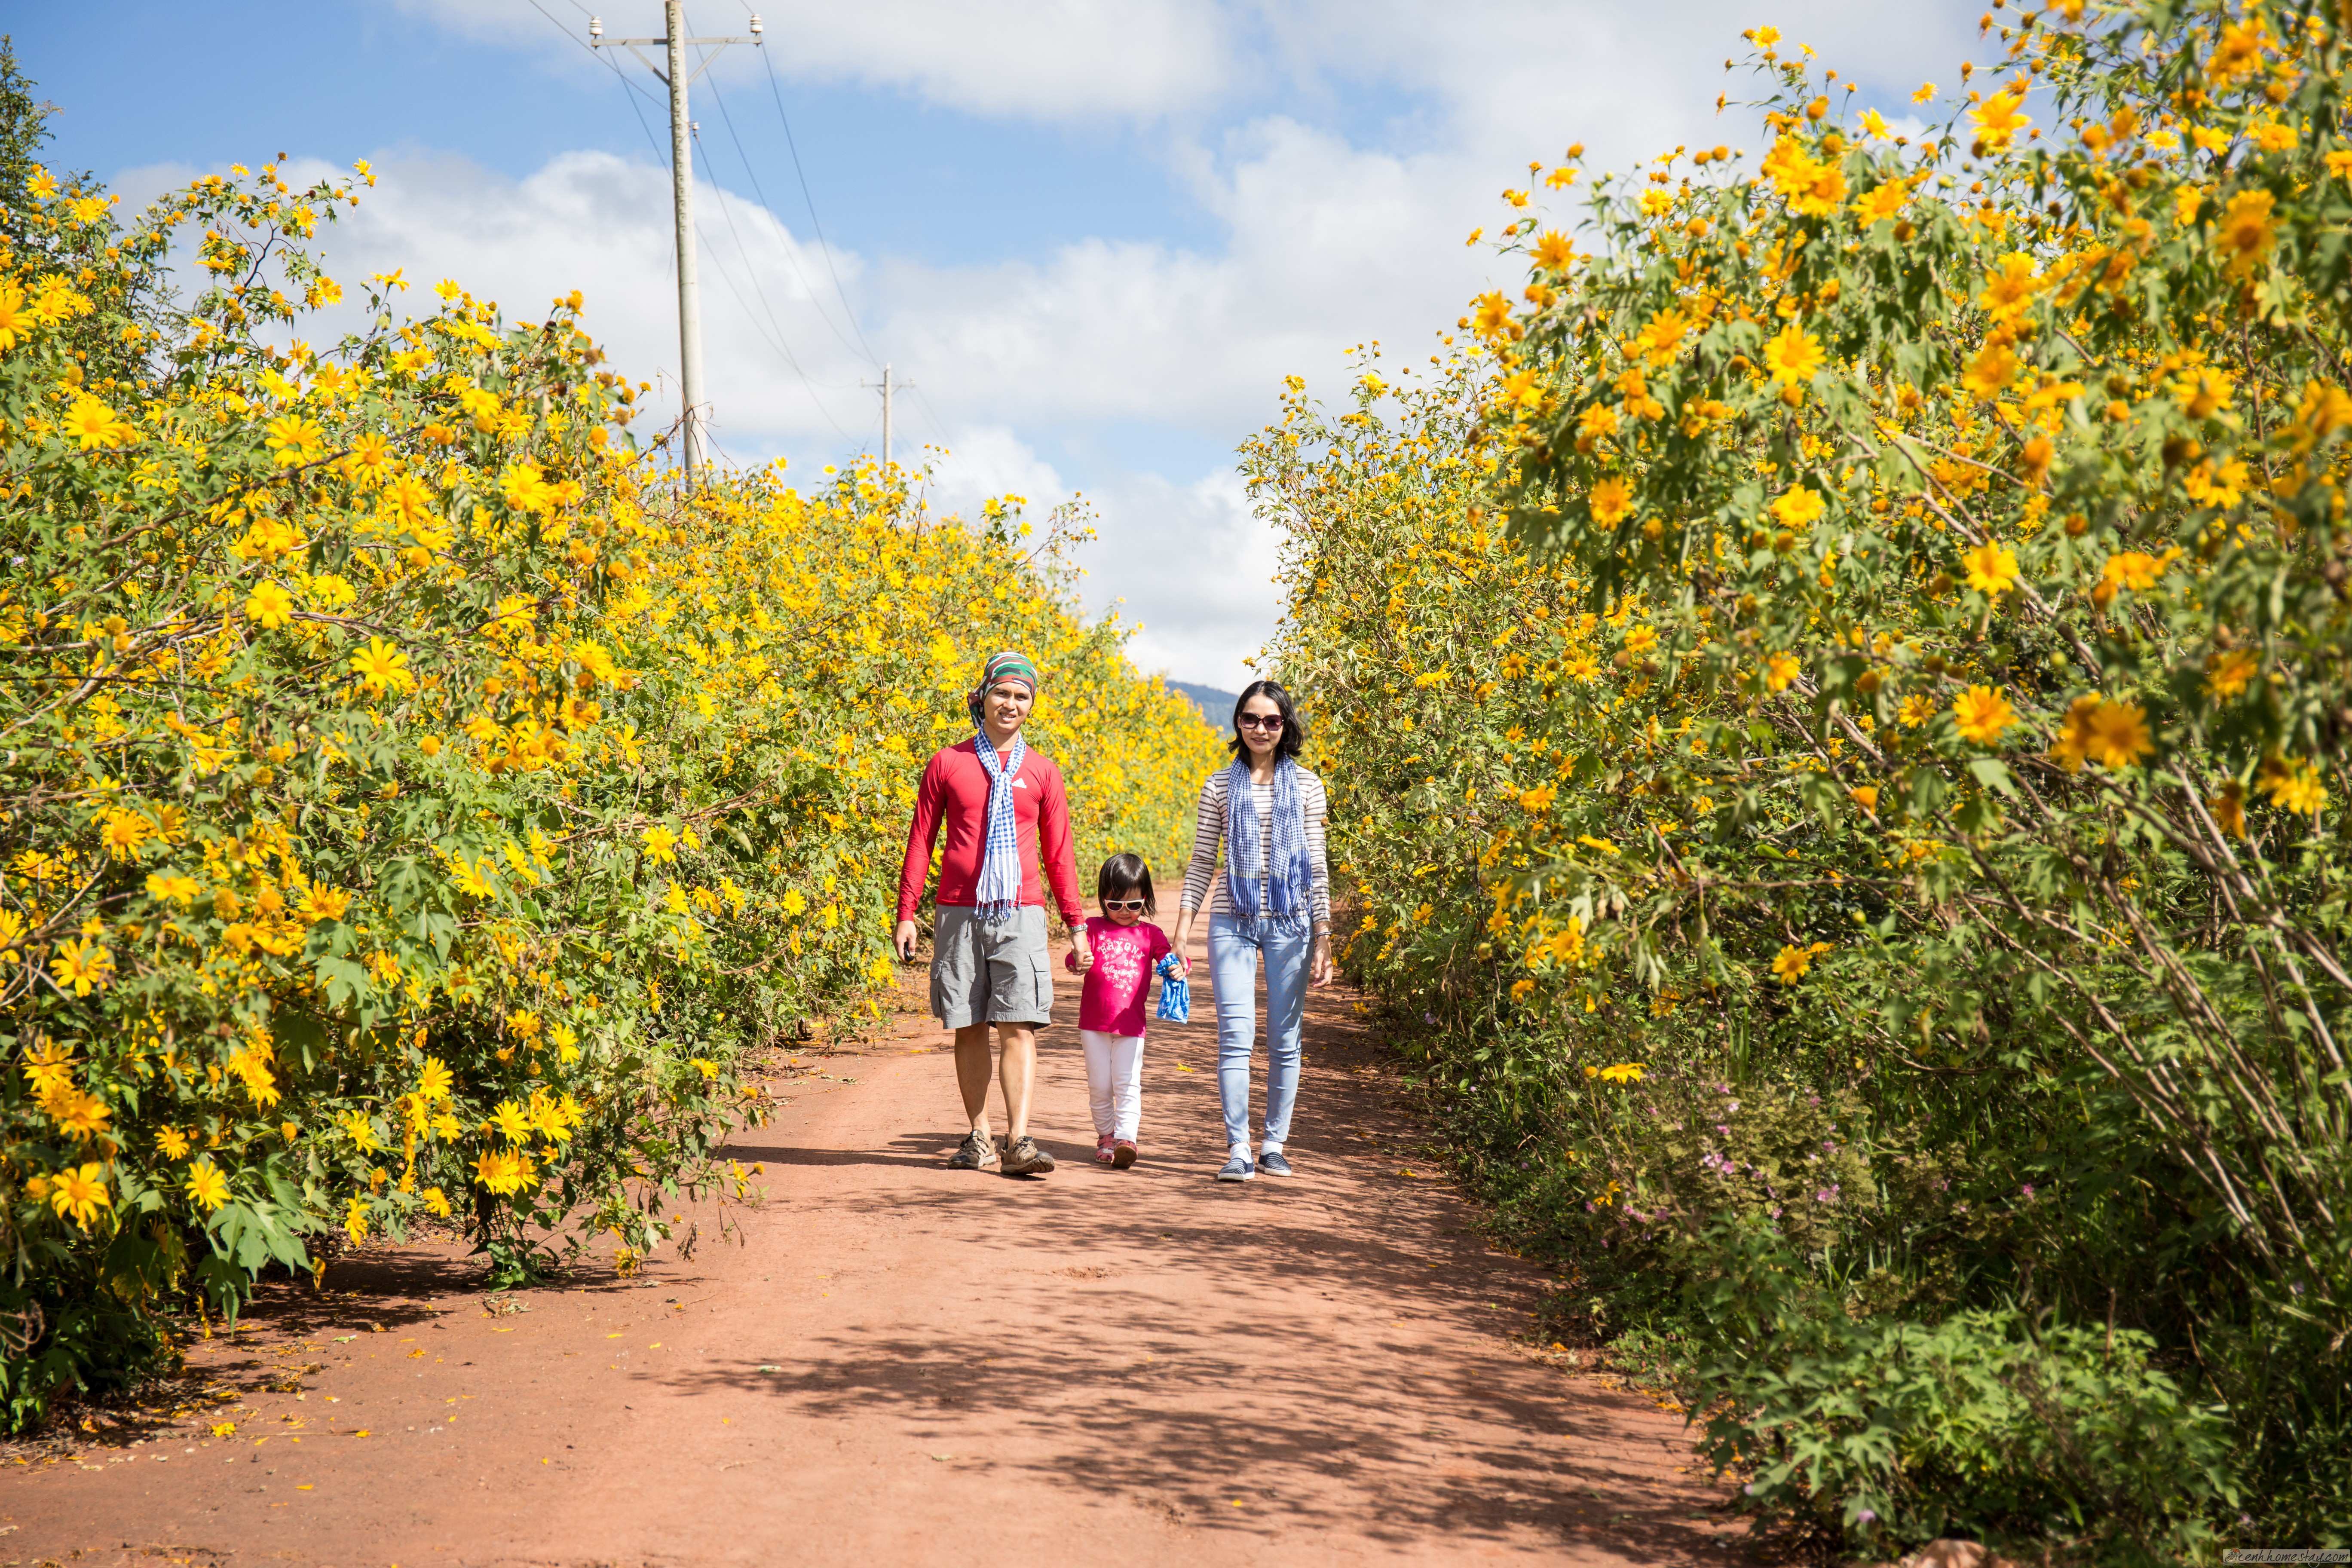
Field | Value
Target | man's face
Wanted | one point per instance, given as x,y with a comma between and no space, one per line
1005,704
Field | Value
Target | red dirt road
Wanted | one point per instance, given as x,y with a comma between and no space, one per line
923,1366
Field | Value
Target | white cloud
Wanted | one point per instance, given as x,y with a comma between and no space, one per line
1186,564
601,225
1495,71
986,461
1338,227
1068,60
1185,556
1611,75
1195,567
1094,332
1329,243
1326,246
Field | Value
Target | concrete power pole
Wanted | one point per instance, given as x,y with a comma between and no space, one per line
887,386
681,179
681,183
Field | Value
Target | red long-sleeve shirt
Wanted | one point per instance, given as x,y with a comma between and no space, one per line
954,796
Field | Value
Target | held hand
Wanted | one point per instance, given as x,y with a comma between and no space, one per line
1079,950
1319,969
905,942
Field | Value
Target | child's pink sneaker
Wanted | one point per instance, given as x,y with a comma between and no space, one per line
1122,1155
1103,1150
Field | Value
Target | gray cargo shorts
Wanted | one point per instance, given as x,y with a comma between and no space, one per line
990,973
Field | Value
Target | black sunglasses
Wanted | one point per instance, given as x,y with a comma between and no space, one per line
1258,721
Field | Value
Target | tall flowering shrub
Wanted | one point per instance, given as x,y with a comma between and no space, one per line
417,805
1868,639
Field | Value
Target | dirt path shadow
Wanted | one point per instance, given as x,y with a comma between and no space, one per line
921,1366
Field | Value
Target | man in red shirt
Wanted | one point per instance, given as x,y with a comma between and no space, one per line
1001,807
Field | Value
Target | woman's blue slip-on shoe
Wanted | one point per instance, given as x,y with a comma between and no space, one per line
1238,1169
1271,1163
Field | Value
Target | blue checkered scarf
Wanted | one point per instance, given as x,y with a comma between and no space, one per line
999,893
1290,882
1175,991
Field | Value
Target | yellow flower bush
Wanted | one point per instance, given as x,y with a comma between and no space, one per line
416,804
1893,607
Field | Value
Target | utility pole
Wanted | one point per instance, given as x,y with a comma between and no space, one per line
681,179
887,386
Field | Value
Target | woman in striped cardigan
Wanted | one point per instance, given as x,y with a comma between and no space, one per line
1273,902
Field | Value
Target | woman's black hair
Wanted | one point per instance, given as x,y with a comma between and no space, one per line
1126,873
1294,727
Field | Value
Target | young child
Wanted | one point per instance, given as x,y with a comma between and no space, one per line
1110,1004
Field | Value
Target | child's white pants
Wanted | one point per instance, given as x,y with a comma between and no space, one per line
1114,1081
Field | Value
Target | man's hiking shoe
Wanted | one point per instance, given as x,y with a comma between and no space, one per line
1238,1169
1271,1161
976,1152
1024,1158
1122,1155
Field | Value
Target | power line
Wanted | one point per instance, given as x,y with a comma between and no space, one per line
633,92
779,338
940,428
602,59
630,90
806,383
559,26
816,224
792,252
685,141
777,342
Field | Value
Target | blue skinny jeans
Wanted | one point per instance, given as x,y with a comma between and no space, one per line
1235,949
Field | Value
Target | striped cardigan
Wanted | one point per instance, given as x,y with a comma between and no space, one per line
1204,885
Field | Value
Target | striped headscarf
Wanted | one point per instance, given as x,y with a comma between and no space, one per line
1006,666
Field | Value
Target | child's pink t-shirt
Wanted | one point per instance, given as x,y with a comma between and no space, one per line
1111,1000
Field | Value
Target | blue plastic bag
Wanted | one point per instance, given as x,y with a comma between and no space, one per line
1175,991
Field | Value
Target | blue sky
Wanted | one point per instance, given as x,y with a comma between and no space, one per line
146,88
1094,234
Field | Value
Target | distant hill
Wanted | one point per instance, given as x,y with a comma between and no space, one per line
1215,706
